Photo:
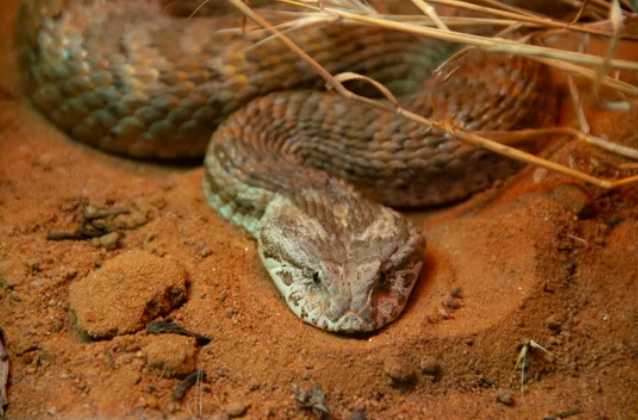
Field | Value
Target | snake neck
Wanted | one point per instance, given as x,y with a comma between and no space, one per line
342,262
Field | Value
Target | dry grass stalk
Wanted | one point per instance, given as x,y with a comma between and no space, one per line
578,106
490,44
548,55
431,13
525,18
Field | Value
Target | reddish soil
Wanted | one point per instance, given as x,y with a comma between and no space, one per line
540,257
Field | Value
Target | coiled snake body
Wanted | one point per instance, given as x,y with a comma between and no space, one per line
306,172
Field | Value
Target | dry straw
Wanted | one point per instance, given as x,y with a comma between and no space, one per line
608,23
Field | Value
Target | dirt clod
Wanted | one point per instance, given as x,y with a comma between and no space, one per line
172,354
235,409
126,293
12,273
504,397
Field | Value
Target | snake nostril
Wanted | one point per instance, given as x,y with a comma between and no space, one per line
384,284
315,277
316,280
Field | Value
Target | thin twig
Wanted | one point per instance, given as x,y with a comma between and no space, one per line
578,106
616,20
4,376
500,5
198,8
520,17
180,389
564,414
580,13
615,84
490,44
518,136
431,13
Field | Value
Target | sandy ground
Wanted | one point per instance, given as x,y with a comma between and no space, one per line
539,258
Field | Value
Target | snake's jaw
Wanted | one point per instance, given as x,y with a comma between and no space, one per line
354,281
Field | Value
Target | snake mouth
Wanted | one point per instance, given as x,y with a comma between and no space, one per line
351,323
347,317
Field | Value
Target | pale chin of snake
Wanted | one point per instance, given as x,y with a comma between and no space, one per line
303,171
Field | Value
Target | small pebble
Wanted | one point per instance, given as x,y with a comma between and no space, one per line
504,397
397,372
444,314
28,357
613,221
132,348
429,366
172,407
553,322
110,241
569,266
151,402
235,409
449,302
357,415
44,161
203,250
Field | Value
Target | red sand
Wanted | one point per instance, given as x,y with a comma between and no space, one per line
533,260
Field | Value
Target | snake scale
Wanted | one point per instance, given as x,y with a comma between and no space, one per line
306,172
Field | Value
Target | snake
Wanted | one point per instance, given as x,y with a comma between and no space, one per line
311,175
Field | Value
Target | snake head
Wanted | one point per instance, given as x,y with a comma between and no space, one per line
348,270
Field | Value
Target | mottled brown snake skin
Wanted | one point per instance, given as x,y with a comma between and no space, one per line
301,169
